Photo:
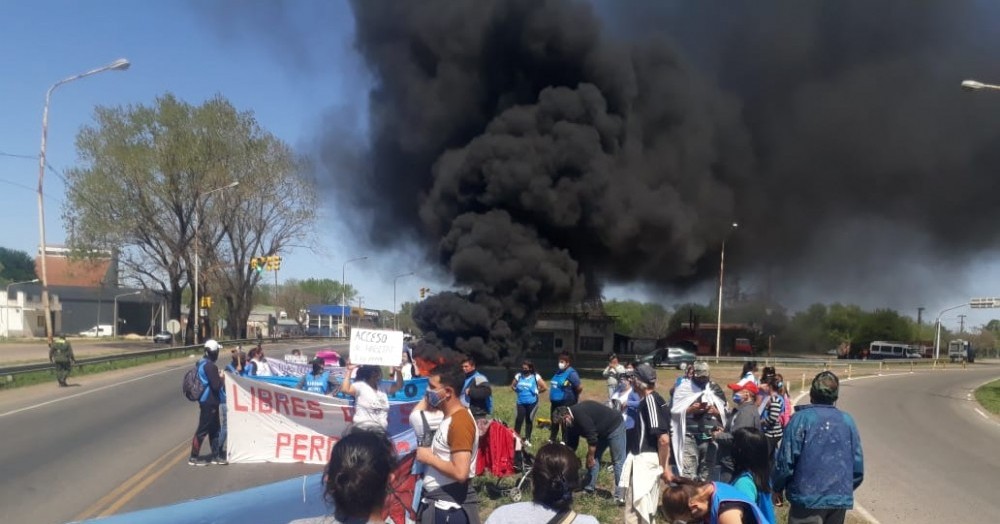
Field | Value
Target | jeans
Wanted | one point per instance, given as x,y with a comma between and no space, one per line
698,460
800,515
525,413
616,442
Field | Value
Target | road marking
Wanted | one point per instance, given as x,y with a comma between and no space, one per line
94,508
865,514
88,392
981,414
141,486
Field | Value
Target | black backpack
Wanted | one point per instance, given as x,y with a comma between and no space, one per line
193,387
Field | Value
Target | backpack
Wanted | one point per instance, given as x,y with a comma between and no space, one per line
786,412
192,386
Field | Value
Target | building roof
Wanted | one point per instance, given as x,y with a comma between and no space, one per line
65,271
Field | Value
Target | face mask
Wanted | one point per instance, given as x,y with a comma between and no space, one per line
562,365
781,385
526,372
433,398
737,398
701,381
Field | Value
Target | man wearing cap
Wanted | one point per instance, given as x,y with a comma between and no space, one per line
318,381
647,466
603,428
697,411
744,415
819,463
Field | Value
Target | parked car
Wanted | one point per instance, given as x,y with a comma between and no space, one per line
100,330
163,336
742,346
672,357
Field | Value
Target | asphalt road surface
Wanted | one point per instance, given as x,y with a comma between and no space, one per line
114,443
930,450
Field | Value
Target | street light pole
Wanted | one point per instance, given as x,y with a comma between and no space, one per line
975,85
343,291
120,65
718,317
937,336
197,255
6,320
114,328
395,314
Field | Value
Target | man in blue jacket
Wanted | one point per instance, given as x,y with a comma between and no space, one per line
819,463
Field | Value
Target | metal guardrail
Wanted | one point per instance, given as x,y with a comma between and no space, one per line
8,374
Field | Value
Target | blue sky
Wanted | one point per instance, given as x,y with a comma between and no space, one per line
197,52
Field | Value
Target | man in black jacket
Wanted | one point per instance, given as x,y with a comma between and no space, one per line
208,418
603,428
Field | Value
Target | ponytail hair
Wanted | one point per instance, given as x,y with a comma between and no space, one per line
357,478
554,476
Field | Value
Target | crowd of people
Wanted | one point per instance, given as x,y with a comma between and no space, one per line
691,455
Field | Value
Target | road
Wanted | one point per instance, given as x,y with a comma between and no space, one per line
13,353
113,443
929,455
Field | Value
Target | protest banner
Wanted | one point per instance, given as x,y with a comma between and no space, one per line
271,423
376,347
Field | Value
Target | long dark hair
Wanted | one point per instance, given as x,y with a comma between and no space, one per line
748,366
358,472
750,454
554,476
676,498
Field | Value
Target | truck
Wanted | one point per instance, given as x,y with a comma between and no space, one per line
100,330
960,351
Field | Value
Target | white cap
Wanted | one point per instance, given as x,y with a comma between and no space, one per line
212,346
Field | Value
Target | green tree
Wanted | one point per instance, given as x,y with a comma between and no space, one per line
15,266
145,175
328,291
293,299
882,324
405,320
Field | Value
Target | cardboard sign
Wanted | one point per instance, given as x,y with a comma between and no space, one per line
376,347
271,423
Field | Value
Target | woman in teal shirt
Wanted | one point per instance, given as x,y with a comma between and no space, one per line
752,467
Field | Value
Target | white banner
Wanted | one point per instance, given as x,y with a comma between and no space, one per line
283,368
377,347
271,423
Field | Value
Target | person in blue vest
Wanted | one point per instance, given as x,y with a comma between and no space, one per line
528,385
694,501
208,404
318,381
477,395
565,391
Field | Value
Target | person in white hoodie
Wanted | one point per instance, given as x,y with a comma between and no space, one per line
696,413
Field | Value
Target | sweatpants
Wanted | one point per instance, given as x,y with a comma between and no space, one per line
208,426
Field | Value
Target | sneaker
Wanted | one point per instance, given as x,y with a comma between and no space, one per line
527,444
195,461
620,501
221,461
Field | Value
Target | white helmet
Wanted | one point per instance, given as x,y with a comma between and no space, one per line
212,348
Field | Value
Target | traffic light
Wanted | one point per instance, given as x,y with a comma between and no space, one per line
277,263
424,291
254,265
205,302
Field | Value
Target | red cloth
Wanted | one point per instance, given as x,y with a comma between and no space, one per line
399,501
496,451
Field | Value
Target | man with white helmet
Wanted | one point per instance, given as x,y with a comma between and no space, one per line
208,403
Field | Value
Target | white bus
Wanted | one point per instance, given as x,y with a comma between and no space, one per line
879,350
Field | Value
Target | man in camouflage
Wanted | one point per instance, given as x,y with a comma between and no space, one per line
61,353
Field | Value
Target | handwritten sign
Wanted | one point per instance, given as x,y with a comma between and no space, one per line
377,347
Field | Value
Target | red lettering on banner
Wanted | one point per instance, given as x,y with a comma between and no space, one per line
317,444
281,402
264,401
284,439
402,447
315,411
348,414
298,407
236,400
299,448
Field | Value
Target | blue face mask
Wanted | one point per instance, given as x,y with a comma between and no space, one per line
433,398
737,398
781,385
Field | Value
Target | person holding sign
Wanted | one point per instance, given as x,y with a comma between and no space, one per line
371,405
318,381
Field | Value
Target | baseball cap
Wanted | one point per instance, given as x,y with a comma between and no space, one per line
825,388
701,369
746,386
212,346
645,373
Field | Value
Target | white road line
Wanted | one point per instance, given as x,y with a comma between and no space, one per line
981,414
865,514
88,392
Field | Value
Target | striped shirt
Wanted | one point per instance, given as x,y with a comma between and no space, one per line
771,417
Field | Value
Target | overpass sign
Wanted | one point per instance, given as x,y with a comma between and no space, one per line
985,303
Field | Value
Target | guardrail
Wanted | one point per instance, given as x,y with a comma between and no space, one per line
8,375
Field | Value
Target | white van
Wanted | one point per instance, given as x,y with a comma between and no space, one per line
100,330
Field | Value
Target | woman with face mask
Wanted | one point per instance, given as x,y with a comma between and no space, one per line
371,405
565,390
528,385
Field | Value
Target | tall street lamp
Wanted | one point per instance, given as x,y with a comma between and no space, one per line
976,85
114,328
937,336
395,314
718,317
6,320
197,257
118,65
343,291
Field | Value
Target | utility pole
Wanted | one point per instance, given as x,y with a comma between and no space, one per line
920,316
961,324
